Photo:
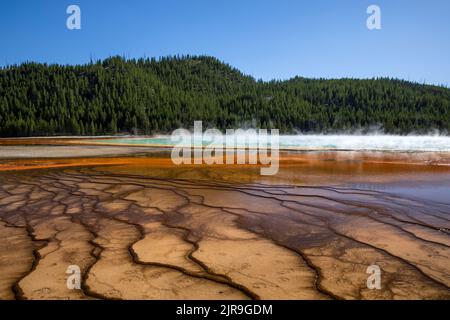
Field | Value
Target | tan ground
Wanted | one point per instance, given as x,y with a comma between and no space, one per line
139,228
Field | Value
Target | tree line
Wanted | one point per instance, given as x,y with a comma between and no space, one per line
145,96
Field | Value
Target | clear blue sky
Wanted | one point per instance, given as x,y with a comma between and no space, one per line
266,39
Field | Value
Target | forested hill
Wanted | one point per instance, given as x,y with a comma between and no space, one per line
153,96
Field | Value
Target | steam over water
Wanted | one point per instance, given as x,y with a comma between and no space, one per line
317,142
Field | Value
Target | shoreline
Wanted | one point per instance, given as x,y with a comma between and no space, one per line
93,141
32,153
45,157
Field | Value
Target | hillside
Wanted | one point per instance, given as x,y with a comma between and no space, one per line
151,96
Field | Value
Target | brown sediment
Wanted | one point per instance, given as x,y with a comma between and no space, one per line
142,228
321,164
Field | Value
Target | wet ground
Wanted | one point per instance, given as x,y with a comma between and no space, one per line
141,228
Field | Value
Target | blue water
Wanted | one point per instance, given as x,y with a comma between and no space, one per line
313,142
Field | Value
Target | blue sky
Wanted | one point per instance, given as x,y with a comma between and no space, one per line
267,39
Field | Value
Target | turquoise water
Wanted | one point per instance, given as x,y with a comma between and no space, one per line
311,142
